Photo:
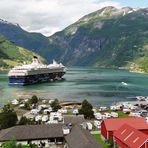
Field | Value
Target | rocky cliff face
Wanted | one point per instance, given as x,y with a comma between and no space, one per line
108,37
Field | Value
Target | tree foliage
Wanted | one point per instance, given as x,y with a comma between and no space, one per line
26,106
8,117
55,105
7,108
34,100
25,121
86,110
13,144
10,144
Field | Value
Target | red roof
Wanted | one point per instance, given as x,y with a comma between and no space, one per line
116,123
130,136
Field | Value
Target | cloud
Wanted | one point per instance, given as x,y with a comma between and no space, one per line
48,16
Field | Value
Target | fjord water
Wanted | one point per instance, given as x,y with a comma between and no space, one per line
100,86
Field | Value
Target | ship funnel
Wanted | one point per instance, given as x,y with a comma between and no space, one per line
35,60
54,62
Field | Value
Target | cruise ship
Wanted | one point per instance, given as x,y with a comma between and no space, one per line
36,72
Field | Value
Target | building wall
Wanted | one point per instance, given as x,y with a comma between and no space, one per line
144,131
120,143
22,142
103,130
110,134
145,145
37,142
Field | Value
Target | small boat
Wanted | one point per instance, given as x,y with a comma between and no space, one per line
123,83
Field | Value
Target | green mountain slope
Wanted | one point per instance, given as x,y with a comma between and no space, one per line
109,37
28,40
11,55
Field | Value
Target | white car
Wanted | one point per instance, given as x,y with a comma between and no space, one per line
15,102
134,107
63,111
46,111
97,124
114,114
75,111
50,101
126,110
114,108
52,122
107,115
102,108
104,117
94,110
135,114
98,116
89,126
22,105
35,111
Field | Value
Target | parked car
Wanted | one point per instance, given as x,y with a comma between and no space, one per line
97,124
89,126
126,110
75,111
102,108
114,114
107,115
98,116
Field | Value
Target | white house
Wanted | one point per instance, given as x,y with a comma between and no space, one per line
38,118
45,118
35,111
15,102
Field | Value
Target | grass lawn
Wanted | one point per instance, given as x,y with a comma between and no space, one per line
122,115
99,139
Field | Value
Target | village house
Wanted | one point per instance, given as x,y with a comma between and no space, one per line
127,136
80,138
109,126
53,134
35,134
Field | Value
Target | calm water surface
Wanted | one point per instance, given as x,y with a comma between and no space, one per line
99,86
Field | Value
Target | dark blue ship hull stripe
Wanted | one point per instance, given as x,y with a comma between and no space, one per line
32,79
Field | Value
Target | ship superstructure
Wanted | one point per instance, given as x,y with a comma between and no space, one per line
36,72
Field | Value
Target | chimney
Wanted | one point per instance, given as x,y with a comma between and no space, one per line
146,119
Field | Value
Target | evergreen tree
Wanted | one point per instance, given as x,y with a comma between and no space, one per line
8,117
55,105
34,100
25,121
86,110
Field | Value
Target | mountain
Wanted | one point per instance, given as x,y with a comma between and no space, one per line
11,55
14,33
109,37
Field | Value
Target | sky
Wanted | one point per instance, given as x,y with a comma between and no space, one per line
50,16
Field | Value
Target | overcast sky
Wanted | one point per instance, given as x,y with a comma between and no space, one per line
50,16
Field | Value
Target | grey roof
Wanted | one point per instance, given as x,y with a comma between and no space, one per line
81,138
32,132
74,119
